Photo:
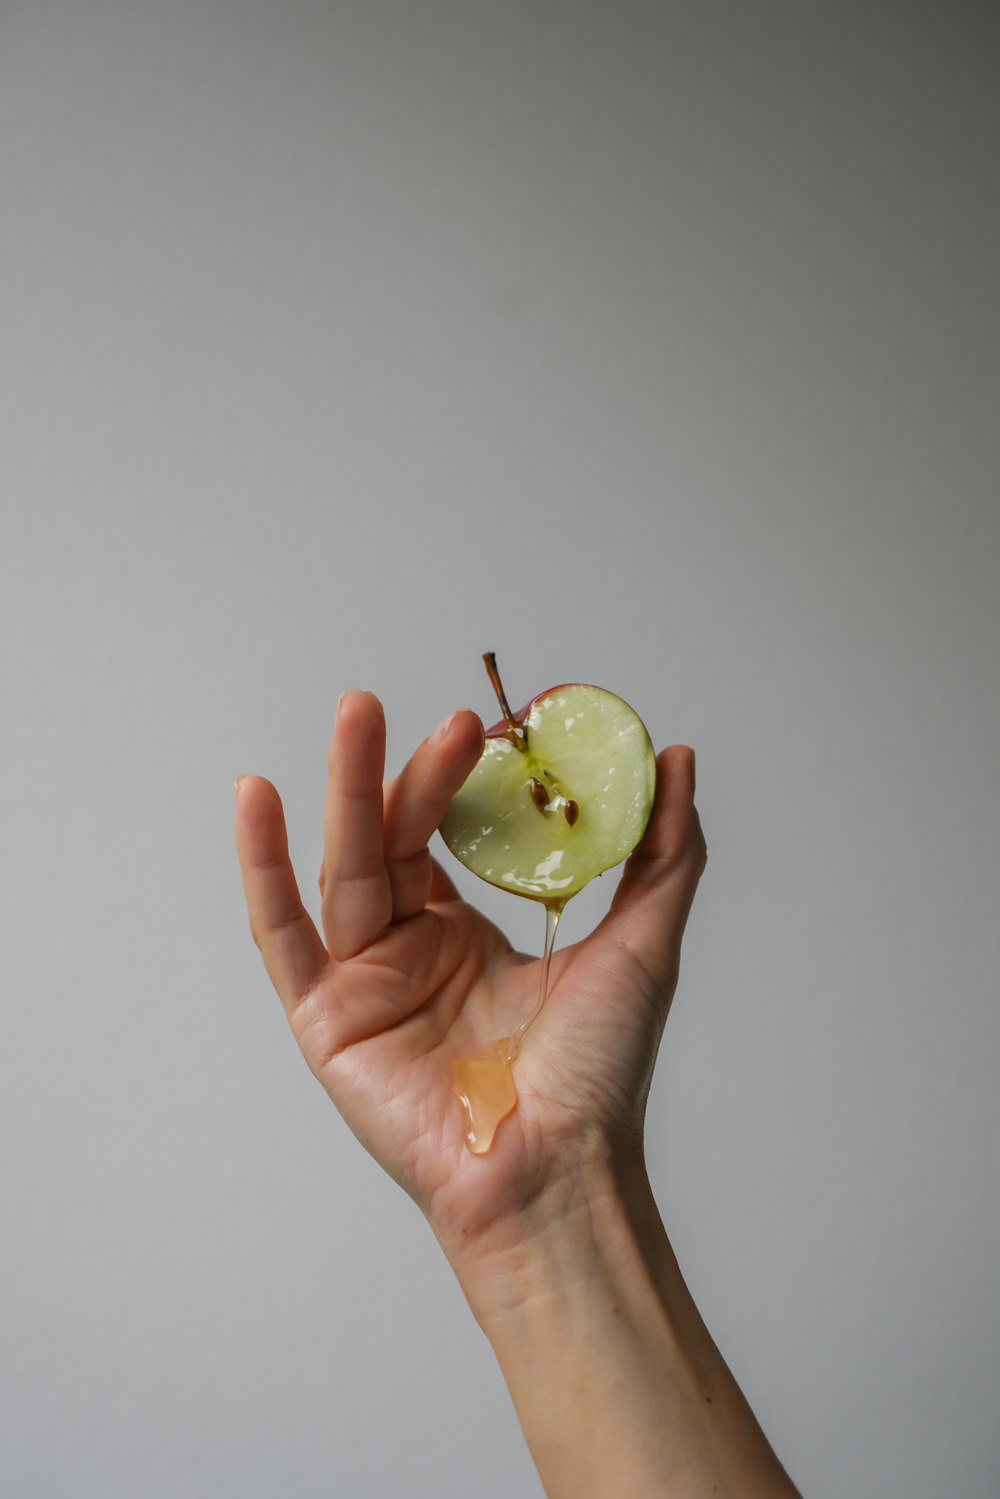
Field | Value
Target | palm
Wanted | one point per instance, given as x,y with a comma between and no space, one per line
379,1012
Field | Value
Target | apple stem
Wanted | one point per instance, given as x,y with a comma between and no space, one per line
513,732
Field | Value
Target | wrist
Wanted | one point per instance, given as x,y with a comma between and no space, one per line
589,1328
593,1224
614,1376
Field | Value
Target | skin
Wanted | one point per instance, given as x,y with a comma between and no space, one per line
553,1233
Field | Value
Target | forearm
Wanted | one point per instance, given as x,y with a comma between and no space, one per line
617,1383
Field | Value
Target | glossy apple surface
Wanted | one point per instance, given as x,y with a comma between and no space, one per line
567,796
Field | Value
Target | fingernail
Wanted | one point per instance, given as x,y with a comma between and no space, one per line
341,698
443,729
236,783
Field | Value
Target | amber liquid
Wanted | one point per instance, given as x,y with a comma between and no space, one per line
484,1084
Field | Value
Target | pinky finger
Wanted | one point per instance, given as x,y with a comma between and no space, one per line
290,945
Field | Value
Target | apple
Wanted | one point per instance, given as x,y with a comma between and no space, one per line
562,791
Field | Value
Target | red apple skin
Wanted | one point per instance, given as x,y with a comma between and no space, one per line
501,730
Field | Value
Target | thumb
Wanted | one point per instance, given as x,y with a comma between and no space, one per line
651,905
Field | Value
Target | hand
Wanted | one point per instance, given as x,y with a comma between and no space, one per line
553,1233
408,975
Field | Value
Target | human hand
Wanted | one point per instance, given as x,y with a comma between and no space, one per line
553,1232
408,975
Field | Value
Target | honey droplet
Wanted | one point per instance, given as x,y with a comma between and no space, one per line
485,1087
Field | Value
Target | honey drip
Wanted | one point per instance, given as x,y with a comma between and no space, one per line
484,1084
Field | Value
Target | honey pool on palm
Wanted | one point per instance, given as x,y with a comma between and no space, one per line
484,1084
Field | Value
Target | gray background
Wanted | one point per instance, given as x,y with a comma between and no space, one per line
653,345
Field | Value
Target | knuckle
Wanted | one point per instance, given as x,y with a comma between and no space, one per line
367,867
284,917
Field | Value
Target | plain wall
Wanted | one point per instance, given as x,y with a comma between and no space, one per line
651,345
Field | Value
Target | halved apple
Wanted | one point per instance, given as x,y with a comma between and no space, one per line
563,791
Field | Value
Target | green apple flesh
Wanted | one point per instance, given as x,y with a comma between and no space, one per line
563,791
